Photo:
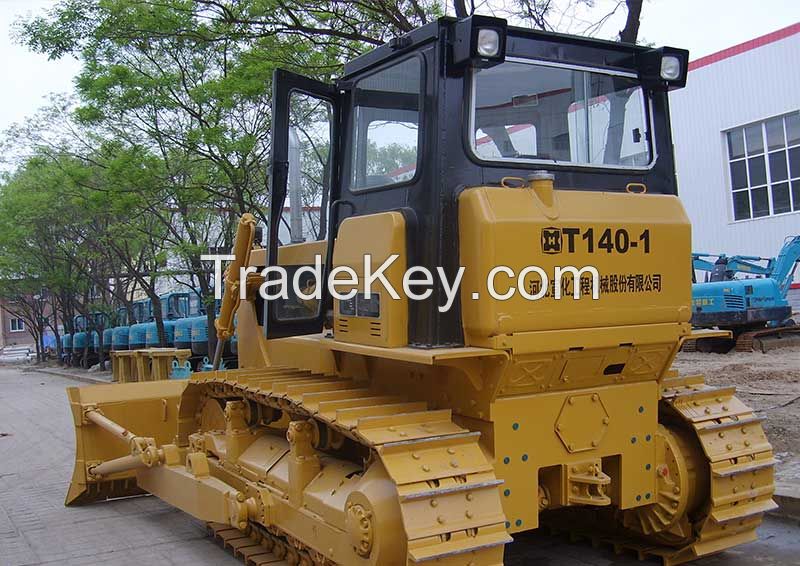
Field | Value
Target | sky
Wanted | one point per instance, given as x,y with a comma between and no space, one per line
702,26
28,78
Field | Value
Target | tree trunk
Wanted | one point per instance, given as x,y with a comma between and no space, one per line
158,317
630,33
42,351
54,328
101,356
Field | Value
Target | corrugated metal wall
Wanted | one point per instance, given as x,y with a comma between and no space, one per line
747,87
794,299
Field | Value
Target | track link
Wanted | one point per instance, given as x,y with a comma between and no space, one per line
449,497
251,548
740,460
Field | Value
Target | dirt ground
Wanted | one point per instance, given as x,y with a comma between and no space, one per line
770,383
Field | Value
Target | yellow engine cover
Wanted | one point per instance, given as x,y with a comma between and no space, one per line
385,322
640,245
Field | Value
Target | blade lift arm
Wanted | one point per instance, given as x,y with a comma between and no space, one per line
144,453
190,487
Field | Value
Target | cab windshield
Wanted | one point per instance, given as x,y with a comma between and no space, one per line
542,112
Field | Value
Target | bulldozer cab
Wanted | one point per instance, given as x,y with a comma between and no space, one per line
451,105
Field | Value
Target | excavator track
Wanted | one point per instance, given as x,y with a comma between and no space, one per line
744,342
747,341
449,496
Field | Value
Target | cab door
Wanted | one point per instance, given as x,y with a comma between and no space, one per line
304,172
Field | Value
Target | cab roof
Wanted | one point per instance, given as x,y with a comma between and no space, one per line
615,51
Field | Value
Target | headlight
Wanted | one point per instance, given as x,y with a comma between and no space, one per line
478,41
488,42
670,68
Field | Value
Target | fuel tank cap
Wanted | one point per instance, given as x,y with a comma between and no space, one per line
541,175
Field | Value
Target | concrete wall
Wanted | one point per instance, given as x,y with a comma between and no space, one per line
794,299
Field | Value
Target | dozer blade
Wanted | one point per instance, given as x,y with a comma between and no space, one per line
146,408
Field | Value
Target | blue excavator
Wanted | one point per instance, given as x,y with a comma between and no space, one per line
746,295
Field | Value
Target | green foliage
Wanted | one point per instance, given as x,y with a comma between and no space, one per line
167,140
387,158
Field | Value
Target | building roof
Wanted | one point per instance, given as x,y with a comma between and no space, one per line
746,46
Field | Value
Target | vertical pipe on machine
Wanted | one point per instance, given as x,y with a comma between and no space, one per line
295,189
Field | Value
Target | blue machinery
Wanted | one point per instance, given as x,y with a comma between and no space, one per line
752,308
185,326
120,336
82,347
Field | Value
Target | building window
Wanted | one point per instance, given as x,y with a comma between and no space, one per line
764,161
17,325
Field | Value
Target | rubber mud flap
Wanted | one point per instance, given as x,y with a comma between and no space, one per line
146,409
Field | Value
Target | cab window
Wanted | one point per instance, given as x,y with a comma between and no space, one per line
524,111
386,125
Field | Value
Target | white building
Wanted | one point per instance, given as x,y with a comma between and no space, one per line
736,129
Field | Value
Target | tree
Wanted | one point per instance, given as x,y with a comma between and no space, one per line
37,264
578,17
188,111
630,33
166,141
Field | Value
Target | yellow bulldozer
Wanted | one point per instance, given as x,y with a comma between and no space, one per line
428,428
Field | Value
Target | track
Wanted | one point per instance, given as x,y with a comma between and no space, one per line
747,341
450,473
251,548
744,342
448,494
740,461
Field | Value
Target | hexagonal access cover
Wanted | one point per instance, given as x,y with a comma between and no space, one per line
582,423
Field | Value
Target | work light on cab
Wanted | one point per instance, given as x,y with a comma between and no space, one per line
670,68
479,41
663,68
488,42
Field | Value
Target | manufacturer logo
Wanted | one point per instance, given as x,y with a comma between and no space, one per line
551,240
